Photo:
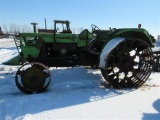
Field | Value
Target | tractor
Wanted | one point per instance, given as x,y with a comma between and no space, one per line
124,56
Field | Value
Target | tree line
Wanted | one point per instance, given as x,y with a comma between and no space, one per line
13,28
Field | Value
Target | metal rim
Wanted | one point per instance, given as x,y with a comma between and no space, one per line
26,76
129,64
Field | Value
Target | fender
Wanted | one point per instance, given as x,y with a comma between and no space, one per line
106,50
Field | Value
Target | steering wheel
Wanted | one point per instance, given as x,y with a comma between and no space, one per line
94,28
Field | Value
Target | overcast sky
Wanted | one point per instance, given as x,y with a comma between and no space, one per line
83,13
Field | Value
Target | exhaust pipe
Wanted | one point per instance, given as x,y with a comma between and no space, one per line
45,24
34,26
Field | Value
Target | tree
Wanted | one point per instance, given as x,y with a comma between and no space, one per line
25,28
5,29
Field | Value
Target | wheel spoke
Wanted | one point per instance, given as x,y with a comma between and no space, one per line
109,71
115,82
130,44
111,77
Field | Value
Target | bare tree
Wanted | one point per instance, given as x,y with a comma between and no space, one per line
12,28
5,29
74,30
17,29
24,28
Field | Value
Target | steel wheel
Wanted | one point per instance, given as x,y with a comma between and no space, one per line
33,77
103,72
129,64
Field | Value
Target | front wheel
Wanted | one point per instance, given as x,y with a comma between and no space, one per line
33,77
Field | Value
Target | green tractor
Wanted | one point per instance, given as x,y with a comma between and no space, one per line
124,55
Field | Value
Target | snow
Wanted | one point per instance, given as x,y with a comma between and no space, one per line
107,49
75,93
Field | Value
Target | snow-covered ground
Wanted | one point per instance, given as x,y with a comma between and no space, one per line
75,93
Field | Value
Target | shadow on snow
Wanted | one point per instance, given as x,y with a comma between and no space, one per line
153,116
69,87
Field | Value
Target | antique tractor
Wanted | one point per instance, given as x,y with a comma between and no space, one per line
123,55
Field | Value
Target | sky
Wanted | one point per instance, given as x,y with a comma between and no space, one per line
83,13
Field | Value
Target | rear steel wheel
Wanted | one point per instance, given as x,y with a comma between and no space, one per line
129,64
33,77
103,72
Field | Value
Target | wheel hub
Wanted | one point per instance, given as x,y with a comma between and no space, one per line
33,78
126,64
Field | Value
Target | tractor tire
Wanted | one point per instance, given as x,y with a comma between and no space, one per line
128,64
